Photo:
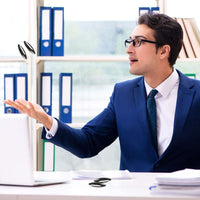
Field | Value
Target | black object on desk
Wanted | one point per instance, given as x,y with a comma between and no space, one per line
100,182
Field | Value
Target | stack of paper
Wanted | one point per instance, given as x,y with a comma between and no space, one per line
186,177
184,182
93,174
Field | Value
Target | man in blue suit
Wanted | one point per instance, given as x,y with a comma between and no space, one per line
153,48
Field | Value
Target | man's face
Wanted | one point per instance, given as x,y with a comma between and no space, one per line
143,59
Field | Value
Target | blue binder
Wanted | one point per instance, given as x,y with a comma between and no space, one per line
143,10
45,31
21,87
66,97
58,31
15,87
46,92
9,91
155,10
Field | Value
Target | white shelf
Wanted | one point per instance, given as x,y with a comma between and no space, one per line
12,59
84,58
97,58
188,59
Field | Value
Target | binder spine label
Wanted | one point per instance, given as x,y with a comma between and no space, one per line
46,92
45,31
66,97
58,31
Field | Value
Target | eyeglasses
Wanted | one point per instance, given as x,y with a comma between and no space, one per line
137,42
100,182
23,52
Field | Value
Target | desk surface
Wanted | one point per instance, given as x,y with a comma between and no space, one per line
135,188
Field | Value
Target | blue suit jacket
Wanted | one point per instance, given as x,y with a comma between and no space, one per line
126,118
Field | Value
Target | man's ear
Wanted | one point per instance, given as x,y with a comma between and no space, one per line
164,51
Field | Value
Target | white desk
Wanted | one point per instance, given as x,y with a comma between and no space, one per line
135,188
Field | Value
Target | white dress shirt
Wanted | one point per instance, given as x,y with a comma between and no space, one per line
51,133
165,105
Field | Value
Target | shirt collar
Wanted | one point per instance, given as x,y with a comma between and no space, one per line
166,86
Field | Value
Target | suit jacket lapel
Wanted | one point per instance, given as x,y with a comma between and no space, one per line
141,110
140,104
184,100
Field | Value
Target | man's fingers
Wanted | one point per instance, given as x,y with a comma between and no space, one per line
11,103
24,106
20,104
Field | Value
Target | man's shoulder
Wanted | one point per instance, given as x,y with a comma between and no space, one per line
187,81
130,83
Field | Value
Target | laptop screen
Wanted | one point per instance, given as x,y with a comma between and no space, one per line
15,150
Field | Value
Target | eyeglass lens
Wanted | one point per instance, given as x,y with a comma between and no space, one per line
136,42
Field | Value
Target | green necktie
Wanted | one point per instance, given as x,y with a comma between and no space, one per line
151,109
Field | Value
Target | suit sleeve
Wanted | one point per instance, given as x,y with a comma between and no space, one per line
92,138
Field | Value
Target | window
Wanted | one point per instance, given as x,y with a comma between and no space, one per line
14,26
14,30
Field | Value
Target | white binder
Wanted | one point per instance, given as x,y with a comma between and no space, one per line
48,156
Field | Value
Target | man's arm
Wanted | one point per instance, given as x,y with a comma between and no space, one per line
88,141
32,110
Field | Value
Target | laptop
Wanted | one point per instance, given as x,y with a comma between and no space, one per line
16,158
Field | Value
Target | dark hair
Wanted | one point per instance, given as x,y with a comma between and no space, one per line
166,31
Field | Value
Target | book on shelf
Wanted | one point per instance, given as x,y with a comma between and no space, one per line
186,40
193,35
191,38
